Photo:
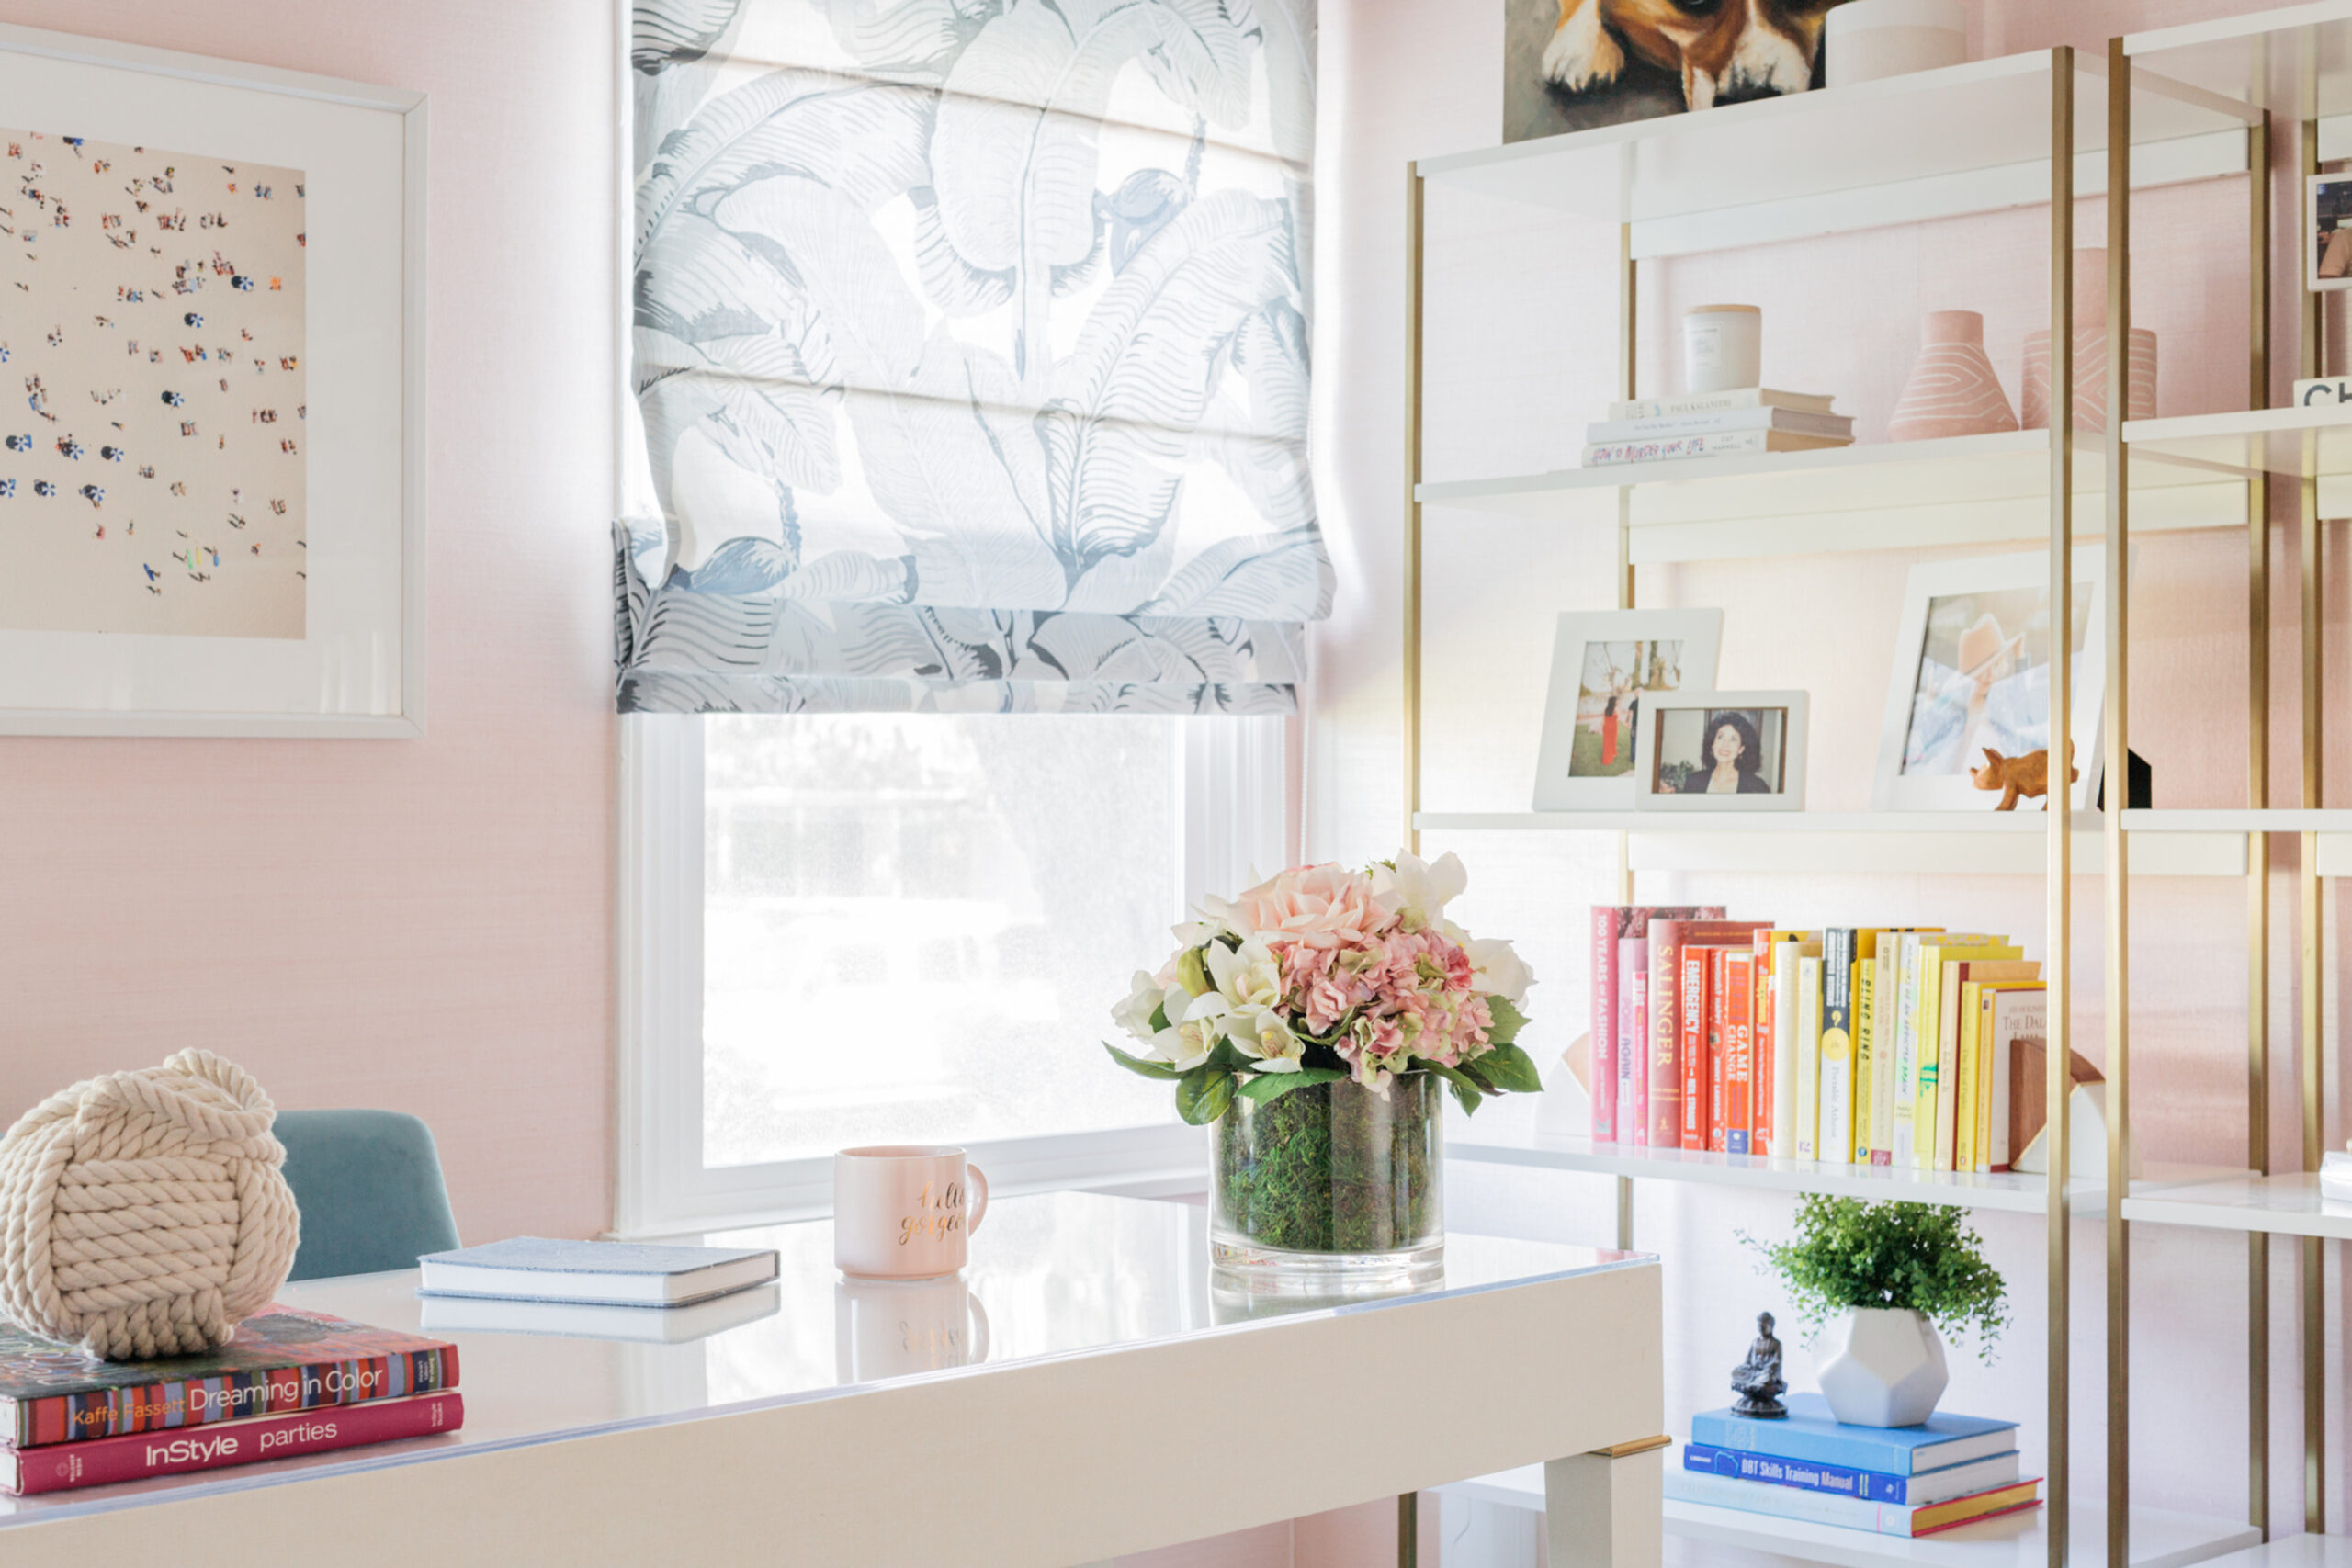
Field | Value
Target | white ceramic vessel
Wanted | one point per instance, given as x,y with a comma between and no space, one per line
1723,348
1883,1367
1867,39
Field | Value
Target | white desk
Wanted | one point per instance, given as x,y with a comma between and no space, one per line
1120,1408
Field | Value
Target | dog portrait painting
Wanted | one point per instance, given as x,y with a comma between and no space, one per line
1573,64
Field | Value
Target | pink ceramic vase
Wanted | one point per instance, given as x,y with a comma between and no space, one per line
2090,357
1952,390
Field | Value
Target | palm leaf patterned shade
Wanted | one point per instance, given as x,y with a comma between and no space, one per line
971,347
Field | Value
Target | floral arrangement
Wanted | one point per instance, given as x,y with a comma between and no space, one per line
1325,974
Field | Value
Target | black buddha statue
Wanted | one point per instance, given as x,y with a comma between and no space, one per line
1757,1380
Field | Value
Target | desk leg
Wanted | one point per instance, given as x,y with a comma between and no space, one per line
1604,1512
1408,1529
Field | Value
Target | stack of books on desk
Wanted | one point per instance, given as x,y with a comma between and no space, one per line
1707,424
1949,1470
597,1289
291,1383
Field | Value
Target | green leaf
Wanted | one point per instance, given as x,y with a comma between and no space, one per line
1466,1089
1510,1069
1274,1086
1160,1018
1203,1095
1509,1021
1228,1057
1138,1064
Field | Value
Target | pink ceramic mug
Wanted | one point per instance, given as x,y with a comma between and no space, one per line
899,1210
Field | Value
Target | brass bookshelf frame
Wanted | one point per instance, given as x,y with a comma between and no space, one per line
2116,757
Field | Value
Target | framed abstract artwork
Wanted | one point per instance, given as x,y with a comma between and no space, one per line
1972,676
211,347
1606,664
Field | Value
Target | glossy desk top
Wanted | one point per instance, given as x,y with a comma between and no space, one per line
1058,1274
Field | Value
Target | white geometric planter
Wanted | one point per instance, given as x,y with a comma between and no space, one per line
1881,1367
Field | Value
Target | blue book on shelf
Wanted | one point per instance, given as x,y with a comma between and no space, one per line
1844,1481
1809,1432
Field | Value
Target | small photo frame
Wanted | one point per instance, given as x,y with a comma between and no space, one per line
2329,243
1972,674
1607,665
1723,751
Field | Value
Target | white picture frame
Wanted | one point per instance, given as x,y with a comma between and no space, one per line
1992,601
2327,224
358,668
1674,734
1693,639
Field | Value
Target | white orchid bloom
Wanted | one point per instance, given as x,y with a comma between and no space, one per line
1134,1014
1194,1025
1420,888
1498,968
1249,977
1267,1036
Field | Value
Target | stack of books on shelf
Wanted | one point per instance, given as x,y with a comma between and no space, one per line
1708,424
1916,1048
1947,1472
596,1289
291,1383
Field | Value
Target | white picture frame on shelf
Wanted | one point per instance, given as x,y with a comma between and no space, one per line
2327,231
1757,741
1605,665
244,261
1971,670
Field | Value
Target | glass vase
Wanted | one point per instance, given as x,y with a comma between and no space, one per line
1330,1187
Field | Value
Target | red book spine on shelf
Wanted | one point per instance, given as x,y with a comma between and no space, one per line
1637,979
1603,1037
1759,1142
1692,1047
1717,1013
1665,934
135,1456
1738,1054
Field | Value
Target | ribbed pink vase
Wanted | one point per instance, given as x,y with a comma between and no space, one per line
1952,390
2090,357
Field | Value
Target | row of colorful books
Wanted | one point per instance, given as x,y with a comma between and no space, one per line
292,1382
1913,1047
1707,424
1909,1481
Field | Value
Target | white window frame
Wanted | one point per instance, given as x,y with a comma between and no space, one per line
1235,802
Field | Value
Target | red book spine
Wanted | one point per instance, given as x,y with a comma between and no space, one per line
1692,1048
1761,1086
1603,1037
1663,998
1740,1054
1638,1134
135,1456
1717,995
354,1376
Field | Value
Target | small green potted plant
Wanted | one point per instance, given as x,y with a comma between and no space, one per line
1884,1279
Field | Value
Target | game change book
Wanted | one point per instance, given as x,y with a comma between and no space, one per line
137,1456
280,1361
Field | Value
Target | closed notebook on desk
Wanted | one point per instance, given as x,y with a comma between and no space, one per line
614,1273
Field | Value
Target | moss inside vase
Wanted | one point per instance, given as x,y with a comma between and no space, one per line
1333,1168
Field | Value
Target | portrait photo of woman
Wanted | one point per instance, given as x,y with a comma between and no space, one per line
1733,760
1725,752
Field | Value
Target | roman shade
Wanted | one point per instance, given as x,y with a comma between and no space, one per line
971,353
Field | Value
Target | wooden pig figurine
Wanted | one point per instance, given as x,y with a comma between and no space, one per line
2016,777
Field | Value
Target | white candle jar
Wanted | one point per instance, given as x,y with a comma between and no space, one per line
1723,348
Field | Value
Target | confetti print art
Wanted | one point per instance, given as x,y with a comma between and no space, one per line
152,362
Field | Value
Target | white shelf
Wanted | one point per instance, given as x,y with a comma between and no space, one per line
2296,61
2159,1539
2293,1552
2012,844
1547,1131
2312,443
1984,489
2288,1204
1971,138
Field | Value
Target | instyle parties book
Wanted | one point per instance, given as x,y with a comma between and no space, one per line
609,1273
280,1361
137,1456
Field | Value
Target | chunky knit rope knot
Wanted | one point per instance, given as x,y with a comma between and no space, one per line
146,1213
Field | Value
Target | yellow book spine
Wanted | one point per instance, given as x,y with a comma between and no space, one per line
1963,1150
1865,984
1986,1105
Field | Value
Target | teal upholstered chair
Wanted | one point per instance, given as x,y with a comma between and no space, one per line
369,1185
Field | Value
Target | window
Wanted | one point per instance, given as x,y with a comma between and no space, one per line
848,928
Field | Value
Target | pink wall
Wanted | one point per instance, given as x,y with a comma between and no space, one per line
421,925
